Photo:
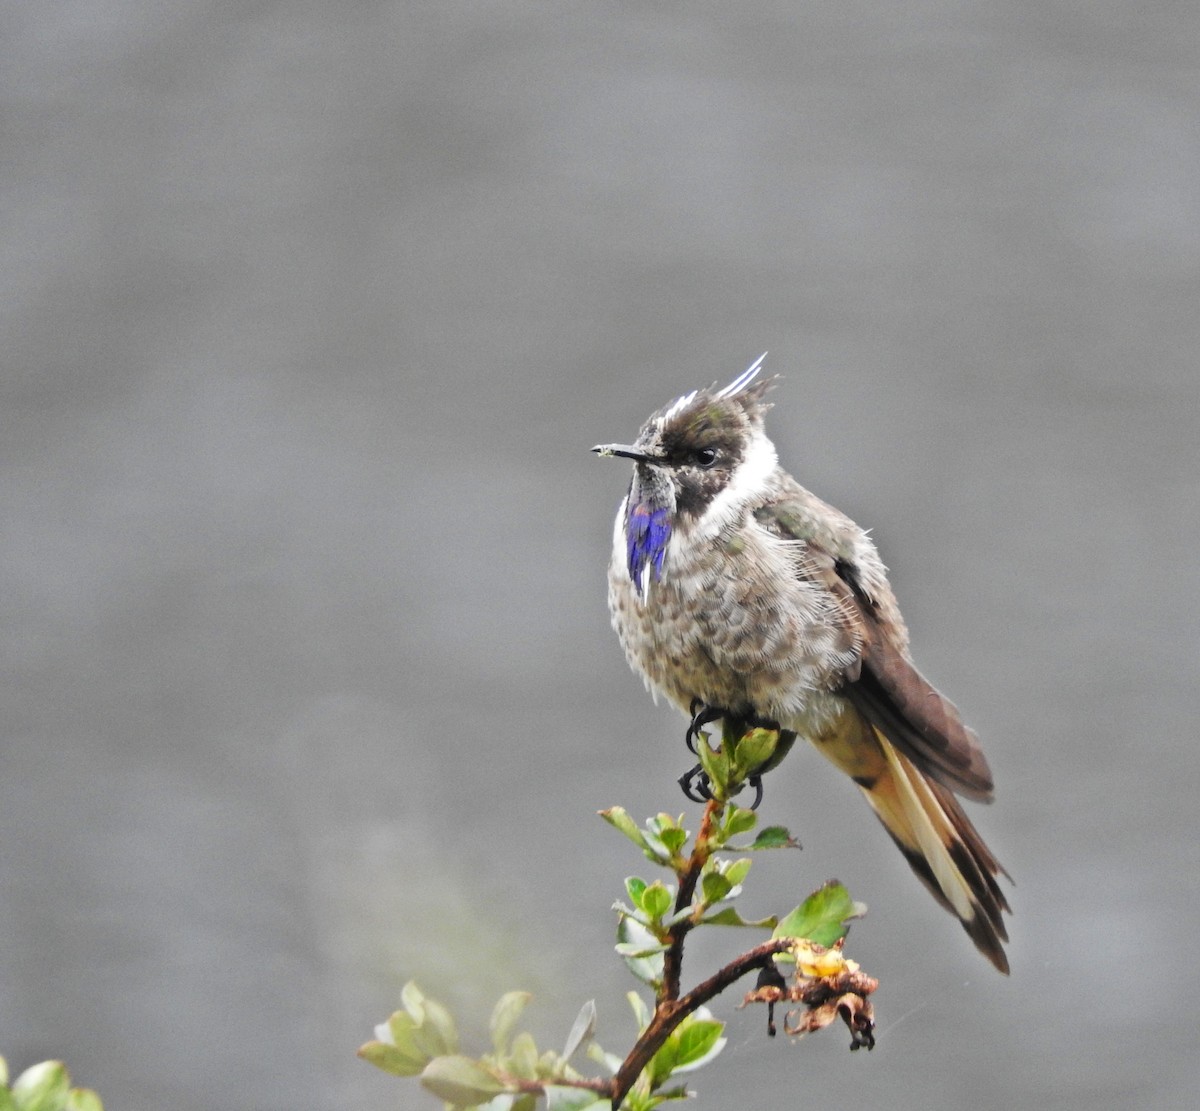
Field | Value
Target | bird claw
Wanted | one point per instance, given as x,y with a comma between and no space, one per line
702,715
696,785
694,782
755,781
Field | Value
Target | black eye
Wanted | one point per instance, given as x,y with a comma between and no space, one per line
705,456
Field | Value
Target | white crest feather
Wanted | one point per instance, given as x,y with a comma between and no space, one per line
744,379
679,404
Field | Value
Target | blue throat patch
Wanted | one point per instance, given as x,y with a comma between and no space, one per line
647,531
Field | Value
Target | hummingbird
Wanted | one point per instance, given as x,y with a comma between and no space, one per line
733,588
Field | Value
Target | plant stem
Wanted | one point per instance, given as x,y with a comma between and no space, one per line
688,878
670,1010
669,1013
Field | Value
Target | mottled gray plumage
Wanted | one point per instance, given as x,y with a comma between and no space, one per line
733,585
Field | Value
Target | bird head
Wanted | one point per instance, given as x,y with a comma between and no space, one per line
693,460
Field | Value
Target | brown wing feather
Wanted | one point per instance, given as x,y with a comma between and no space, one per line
920,722
897,699
884,685
906,746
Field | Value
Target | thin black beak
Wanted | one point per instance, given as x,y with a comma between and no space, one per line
624,451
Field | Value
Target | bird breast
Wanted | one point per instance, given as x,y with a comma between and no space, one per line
734,621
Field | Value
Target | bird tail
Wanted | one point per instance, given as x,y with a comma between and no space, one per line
929,827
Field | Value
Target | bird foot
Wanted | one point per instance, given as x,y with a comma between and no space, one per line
738,724
696,786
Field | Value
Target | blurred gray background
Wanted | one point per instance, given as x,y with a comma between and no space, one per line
310,315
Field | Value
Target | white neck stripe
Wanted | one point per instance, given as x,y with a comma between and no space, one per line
749,479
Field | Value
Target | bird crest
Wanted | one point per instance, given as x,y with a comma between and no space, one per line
747,389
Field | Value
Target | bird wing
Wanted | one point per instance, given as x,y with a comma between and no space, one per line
885,686
905,746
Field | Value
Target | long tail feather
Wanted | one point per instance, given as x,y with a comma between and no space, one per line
929,827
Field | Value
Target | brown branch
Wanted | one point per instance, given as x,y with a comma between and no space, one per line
597,1084
669,1013
688,878
732,972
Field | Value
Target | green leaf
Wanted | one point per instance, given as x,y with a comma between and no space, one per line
714,887
822,916
392,1059
657,899
523,1060
418,1037
697,1043
641,1012
648,840
582,1029
665,830
505,1014
755,749
728,916
461,1081
619,818
42,1087
673,839
675,917
413,999
662,1064
740,820
83,1099
628,912
439,1025
785,742
634,886
716,766
559,1098
641,951
693,1042
403,1032
735,871
774,837
426,1028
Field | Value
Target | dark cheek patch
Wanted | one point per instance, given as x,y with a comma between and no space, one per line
647,531
697,490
